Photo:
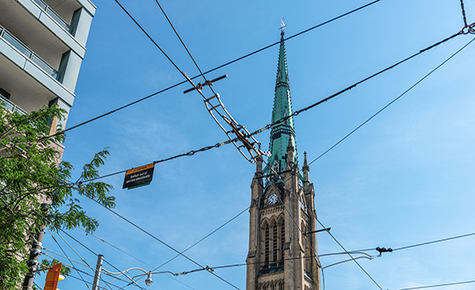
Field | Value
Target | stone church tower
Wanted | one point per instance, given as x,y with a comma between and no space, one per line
282,254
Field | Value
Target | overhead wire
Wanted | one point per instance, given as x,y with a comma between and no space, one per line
145,263
66,256
72,184
181,40
297,112
392,102
82,259
433,242
117,248
351,256
306,239
205,237
211,70
202,239
339,253
95,254
438,285
162,242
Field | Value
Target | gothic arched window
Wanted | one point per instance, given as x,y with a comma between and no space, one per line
266,245
274,243
282,239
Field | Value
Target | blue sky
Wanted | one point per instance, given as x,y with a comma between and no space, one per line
404,178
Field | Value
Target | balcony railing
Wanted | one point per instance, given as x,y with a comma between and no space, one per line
53,14
27,52
12,107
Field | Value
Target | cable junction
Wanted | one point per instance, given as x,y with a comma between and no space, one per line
238,133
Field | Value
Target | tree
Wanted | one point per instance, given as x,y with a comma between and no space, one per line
34,188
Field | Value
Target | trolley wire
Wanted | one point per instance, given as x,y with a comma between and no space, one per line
463,14
181,40
390,103
130,222
268,126
95,254
119,249
66,256
434,242
205,237
210,70
202,239
438,285
351,256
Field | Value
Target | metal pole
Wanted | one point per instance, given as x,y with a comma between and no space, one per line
33,259
97,276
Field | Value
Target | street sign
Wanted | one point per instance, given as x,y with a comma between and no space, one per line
139,176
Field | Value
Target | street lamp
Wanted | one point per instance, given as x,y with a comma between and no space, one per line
148,281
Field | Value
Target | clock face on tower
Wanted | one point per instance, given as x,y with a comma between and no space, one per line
272,199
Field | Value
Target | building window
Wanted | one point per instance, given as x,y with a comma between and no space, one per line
282,240
274,242
266,246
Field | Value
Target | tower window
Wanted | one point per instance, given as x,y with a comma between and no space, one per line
282,240
274,256
267,247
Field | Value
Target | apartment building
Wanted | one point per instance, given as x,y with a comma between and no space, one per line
42,45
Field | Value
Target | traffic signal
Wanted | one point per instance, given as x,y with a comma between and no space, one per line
53,276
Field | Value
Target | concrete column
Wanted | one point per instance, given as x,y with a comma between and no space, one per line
69,70
80,25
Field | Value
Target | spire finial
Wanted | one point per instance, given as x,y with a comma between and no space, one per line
282,26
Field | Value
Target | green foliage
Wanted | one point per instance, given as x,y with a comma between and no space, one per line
30,176
47,263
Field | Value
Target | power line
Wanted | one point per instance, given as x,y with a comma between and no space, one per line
438,285
71,261
101,239
189,153
213,108
268,126
211,70
87,248
393,101
132,257
181,40
162,242
348,253
138,227
205,237
434,242
202,239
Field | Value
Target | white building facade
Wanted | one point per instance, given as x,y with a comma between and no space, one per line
42,45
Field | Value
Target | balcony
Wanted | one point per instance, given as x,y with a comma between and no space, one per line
31,81
27,52
12,107
44,29
53,14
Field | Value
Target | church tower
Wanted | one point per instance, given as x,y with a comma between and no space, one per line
282,239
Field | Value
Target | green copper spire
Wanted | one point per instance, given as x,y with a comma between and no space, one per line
283,132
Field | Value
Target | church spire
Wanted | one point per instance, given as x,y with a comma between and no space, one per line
281,133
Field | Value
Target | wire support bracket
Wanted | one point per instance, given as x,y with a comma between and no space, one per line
469,28
242,139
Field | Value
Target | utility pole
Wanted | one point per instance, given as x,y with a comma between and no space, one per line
97,276
33,259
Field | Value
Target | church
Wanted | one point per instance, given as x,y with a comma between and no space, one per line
282,226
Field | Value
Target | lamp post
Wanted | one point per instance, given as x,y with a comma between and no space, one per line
148,280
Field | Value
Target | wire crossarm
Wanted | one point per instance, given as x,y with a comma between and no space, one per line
250,147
